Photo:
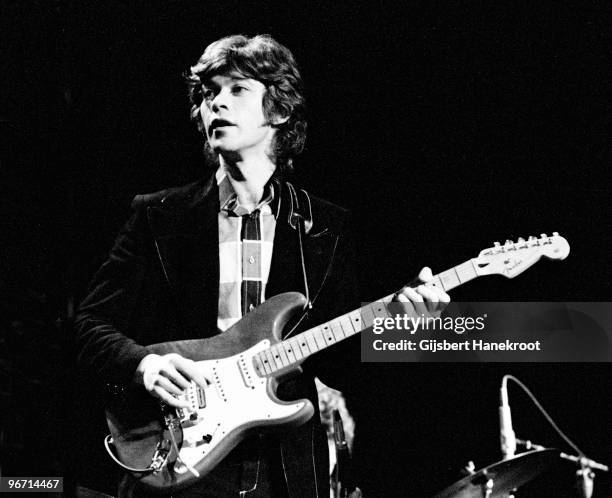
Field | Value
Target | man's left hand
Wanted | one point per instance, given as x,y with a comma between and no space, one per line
423,299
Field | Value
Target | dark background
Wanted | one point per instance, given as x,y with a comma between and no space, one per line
443,126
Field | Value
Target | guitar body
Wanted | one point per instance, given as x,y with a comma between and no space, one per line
237,401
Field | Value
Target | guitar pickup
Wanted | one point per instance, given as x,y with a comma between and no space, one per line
201,397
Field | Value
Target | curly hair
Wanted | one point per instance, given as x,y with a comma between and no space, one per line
263,59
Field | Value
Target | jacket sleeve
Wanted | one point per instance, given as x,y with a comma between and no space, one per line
104,348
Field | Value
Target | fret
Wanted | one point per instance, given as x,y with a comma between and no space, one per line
367,316
476,272
337,330
281,352
467,271
380,309
275,362
312,345
319,339
257,364
289,351
457,274
328,335
449,279
469,265
301,339
460,270
265,362
280,355
272,360
347,325
437,282
295,345
356,321
466,267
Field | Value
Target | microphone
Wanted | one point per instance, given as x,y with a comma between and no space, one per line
507,437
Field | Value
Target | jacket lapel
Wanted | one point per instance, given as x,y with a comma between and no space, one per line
186,234
285,271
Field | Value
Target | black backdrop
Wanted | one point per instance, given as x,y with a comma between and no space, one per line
443,126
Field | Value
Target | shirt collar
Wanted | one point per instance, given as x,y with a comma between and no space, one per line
228,200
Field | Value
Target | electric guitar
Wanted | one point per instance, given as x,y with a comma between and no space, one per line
169,449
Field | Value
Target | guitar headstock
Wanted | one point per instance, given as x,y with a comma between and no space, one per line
512,258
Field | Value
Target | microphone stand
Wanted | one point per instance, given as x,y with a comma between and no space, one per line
585,475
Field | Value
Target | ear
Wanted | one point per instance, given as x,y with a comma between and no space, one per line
278,120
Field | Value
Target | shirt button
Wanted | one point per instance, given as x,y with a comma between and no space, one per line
252,260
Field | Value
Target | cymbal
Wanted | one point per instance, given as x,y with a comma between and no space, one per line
506,475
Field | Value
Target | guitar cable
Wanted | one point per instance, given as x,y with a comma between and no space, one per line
155,461
108,440
178,455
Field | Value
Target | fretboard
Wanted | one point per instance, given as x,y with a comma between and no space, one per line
291,352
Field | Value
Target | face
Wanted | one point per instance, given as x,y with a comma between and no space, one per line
232,113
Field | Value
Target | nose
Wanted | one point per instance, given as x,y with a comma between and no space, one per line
220,100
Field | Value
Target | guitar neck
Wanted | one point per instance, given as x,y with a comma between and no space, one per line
291,352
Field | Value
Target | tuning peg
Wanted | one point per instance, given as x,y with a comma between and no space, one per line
543,235
555,234
531,238
510,246
521,240
496,244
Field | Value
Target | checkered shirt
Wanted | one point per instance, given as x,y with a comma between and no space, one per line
245,252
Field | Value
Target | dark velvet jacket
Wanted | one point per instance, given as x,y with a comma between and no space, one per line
161,282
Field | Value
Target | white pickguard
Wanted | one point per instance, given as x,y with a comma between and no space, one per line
236,398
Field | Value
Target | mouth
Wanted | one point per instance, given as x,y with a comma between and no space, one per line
218,123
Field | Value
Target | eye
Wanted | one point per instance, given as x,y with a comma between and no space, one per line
207,93
238,89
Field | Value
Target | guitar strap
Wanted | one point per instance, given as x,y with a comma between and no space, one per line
300,219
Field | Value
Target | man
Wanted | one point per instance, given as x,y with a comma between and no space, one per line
191,261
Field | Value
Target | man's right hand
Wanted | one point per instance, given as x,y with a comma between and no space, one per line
168,375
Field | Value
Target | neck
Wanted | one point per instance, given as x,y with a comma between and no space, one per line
248,176
292,351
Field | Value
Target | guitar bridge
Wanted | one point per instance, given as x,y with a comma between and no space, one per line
160,456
